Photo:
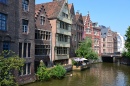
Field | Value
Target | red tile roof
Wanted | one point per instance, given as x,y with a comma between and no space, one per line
53,8
37,9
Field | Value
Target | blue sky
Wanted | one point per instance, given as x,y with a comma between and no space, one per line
113,13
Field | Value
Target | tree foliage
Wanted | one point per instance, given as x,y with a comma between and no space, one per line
127,43
85,50
58,72
42,72
9,62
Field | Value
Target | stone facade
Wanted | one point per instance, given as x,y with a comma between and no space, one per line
73,38
42,36
17,34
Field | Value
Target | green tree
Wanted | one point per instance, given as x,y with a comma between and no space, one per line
85,50
127,43
9,62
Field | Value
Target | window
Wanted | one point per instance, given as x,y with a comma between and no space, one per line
26,69
64,25
42,49
45,35
24,50
3,19
25,4
88,30
103,45
6,45
25,26
64,15
61,50
63,38
29,49
42,20
103,39
20,49
3,1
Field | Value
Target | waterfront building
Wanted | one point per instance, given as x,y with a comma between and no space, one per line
73,38
120,43
79,28
108,40
93,31
17,30
42,37
58,14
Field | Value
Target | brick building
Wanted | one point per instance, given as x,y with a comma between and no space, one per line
94,32
42,36
79,28
108,40
59,17
17,34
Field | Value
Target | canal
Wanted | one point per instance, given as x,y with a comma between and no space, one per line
101,74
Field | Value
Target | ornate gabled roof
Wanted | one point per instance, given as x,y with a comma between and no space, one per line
37,9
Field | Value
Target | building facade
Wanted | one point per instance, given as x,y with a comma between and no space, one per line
79,28
42,36
92,31
108,40
73,38
59,17
17,34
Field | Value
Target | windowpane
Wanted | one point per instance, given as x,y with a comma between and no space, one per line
29,49
25,5
20,49
25,25
25,47
2,21
29,68
6,45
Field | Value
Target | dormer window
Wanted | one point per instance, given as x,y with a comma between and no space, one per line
42,20
25,4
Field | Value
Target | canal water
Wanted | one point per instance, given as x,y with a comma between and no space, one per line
101,74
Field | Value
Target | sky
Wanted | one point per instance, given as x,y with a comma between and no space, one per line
110,13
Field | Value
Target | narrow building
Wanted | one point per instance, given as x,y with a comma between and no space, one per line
79,28
73,38
108,40
17,34
93,31
59,17
43,38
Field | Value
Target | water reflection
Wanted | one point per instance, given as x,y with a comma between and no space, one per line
103,74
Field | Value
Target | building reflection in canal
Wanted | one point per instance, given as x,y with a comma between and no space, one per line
102,74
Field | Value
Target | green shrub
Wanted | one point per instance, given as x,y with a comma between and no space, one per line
58,72
42,73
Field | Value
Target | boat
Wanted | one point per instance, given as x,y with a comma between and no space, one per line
81,64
